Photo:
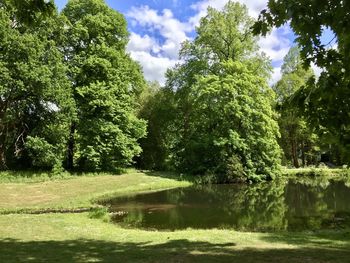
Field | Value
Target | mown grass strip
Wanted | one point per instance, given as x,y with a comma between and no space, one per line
79,192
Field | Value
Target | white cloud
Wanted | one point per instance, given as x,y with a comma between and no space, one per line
254,8
316,69
154,67
156,56
276,44
142,43
171,29
275,76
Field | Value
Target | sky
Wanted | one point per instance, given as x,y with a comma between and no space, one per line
158,27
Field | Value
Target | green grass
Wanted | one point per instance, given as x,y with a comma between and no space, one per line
316,172
88,237
77,192
76,238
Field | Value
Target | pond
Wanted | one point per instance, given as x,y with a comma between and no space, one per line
282,205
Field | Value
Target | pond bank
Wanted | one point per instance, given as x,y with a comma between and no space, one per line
80,192
316,172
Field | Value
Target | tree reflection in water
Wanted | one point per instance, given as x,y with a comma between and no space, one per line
291,205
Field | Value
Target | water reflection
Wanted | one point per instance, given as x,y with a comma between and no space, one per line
280,205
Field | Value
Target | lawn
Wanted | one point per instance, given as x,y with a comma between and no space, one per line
78,238
76,192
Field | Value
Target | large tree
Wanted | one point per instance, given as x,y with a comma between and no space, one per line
35,98
106,82
325,102
225,119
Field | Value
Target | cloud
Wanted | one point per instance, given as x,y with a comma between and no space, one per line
254,8
154,67
156,55
316,69
275,76
276,44
172,30
142,43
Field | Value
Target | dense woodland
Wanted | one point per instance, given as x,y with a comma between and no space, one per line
72,98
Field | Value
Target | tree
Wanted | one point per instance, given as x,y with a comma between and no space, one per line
106,83
233,132
35,98
325,102
297,138
159,109
226,123
29,12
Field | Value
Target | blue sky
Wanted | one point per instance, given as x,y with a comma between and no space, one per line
158,27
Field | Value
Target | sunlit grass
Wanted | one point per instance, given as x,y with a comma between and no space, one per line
78,191
76,238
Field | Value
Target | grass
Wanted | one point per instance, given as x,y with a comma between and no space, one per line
76,238
316,172
85,237
77,192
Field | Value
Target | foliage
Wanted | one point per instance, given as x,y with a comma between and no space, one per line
35,99
224,117
314,172
158,108
298,140
325,102
29,12
66,80
106,84
100,213
233,132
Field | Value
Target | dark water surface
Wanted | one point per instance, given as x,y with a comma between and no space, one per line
308,204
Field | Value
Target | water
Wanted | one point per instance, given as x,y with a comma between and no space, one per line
308,204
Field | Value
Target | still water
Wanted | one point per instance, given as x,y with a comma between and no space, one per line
291,205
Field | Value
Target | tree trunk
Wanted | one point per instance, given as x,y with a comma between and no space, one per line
3,165
303,153
294,154
70,148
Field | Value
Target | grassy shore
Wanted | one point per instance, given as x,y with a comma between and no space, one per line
78,238
73,192
316,172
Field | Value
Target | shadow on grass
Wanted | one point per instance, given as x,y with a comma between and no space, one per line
173,251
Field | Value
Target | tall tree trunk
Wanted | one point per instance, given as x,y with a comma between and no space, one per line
3,139
3,165
294,154
70,148
303,153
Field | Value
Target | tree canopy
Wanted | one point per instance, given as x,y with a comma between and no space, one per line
35,101
298,140
106,83
225,120
68,88
325,102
